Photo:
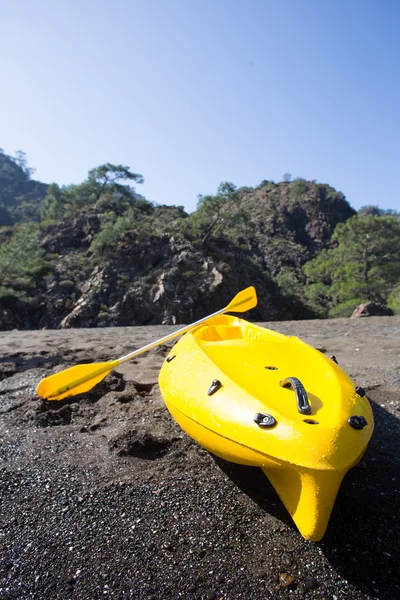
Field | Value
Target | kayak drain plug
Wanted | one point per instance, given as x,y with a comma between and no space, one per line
357,422
264,420
214,387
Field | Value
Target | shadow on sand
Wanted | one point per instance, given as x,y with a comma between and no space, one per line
362,542
20,362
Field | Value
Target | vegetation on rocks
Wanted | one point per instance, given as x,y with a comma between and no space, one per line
99,254
363,265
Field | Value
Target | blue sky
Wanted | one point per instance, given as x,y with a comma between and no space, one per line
190,93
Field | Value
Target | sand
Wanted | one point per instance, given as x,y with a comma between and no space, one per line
103,496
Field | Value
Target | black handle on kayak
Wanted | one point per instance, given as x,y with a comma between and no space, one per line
303,405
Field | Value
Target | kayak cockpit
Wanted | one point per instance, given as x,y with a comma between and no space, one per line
217,330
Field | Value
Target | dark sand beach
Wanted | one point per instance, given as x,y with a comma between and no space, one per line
103,495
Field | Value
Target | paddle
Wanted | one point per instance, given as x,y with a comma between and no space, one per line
82,378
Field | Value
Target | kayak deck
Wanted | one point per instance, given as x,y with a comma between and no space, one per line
259,359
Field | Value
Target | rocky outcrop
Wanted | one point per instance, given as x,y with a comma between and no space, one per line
168,281
7,320
74,234
292,221
371,309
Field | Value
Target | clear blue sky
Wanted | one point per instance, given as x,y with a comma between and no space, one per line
190,93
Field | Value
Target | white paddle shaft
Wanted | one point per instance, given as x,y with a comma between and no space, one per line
171,336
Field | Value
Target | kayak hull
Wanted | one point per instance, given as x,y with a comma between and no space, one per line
305,457
308,495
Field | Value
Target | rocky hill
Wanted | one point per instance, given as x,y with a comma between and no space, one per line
293,220
148,278
99,254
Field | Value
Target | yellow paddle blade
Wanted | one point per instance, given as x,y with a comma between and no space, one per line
244,300
75,380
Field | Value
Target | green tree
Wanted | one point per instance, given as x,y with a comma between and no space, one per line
21,160
106,183
111,181
108,180
394,300
21,260
221,214
112,175
19,197
54,205
364,265
298,188
112,229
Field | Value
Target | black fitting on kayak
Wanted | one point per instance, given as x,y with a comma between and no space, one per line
214,387
357,422
171,358
264,421
303,405
360,391
333,357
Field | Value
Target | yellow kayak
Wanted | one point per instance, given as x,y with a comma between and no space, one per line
256,397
